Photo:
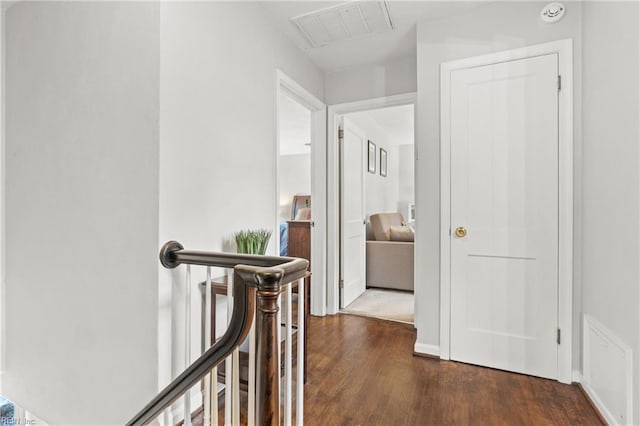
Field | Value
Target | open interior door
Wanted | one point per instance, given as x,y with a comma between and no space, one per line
352,214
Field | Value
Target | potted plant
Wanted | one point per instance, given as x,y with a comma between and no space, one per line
252,241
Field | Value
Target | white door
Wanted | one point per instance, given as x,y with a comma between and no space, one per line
352,215
504,193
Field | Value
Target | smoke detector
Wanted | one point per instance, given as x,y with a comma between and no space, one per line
553,12
344,21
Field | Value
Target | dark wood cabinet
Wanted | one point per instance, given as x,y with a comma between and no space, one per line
299,243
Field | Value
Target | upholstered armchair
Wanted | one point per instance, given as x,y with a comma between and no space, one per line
389,252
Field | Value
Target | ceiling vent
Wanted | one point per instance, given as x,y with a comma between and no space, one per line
344,21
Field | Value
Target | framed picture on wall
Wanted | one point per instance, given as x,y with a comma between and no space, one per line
383,162
372,157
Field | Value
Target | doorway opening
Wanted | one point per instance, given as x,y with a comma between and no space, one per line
294,182
377,213
300,214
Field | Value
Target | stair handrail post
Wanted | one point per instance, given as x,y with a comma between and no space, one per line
268,369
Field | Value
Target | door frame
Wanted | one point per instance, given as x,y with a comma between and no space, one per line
333,184
564,49
285,84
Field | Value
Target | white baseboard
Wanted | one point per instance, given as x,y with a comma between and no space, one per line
576,376
599,405
607,375
422,348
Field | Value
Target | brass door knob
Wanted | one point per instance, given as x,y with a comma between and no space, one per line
461,232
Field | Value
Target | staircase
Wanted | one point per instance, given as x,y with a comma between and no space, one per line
250,368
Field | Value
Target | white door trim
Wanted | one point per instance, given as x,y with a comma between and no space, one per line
564,49
333,185
284,83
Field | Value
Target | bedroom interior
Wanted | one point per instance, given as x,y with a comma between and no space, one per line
389,252
389,209
294,169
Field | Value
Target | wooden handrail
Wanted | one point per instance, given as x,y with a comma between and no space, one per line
257,278
254,267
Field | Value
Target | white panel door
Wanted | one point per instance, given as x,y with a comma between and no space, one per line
504,193
352,214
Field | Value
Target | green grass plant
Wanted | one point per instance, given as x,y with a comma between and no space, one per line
252,241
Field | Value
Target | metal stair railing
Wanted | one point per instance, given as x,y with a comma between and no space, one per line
258,281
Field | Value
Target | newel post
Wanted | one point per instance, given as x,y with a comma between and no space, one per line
268,370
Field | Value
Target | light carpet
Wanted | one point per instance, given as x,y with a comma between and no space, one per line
384,304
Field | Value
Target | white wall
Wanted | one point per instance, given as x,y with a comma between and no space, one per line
2,193
381,193
81,209
393,77
610,273
217,136
489,28
294,126
406,181
295,179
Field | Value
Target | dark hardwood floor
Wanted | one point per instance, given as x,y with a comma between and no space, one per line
362,372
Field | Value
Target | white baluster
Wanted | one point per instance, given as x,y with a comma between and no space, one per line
228,367
187,344
251,410
300,352
214,397
206,415
214,372
235,383
279,343
288,359
235,386
166,418
279,336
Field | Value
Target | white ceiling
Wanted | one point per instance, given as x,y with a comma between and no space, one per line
364,50
397,122
401,41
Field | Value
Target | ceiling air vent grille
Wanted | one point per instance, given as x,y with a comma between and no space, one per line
344,21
